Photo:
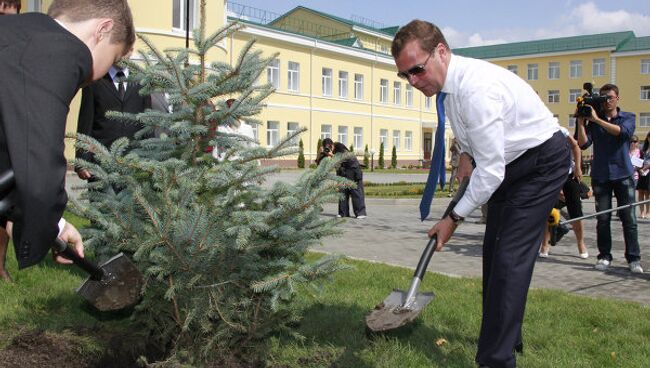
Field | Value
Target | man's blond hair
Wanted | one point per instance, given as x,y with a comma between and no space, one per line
81,10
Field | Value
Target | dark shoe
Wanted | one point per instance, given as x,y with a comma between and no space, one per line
519,348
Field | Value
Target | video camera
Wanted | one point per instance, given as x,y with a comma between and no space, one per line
588,101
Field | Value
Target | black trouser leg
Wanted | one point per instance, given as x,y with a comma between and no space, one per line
358,199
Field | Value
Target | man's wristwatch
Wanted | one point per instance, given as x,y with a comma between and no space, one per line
456,218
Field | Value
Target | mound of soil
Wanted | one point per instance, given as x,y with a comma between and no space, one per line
43,349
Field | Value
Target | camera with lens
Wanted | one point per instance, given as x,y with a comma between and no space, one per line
326,149
589,101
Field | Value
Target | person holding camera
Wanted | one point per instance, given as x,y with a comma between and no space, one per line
521,161
326,150
351,170
612,172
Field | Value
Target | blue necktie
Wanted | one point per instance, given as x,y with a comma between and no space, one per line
437,170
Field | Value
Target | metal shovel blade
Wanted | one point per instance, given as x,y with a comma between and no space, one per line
390,314
119,287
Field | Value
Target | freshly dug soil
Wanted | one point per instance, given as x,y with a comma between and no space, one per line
44,349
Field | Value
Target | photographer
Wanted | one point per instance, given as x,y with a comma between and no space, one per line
326,150
351,170
612,171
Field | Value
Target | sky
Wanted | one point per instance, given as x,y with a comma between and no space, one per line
478,23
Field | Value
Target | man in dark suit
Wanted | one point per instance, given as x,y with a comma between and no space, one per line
111,93
45,59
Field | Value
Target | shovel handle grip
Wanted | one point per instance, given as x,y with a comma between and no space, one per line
64,250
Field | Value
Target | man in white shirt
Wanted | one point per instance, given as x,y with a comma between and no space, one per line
521,160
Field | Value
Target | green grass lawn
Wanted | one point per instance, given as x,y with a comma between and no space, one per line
560,330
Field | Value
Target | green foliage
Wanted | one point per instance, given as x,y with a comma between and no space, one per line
352,148
366,157
319,144
393,158
301,155
222,256
381,156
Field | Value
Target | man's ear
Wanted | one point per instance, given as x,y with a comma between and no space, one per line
103,29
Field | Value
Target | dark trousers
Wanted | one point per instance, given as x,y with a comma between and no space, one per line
358,200
517,214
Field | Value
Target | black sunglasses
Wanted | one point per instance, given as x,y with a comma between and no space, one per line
416,70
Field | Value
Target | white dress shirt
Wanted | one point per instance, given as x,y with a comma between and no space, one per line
495,117
113,72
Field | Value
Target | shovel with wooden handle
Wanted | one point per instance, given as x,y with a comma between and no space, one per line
114,285
399,307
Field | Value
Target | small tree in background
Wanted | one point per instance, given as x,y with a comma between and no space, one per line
381,156
393,157
222,256
352,148
319,144
366,157
301,155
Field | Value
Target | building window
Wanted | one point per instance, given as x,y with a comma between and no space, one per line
383,90
645,66
574,94
553,96
292,128
327,82
256,131
409,95
343,135
408,140
554,70
427,103
575,69
343,84
533,72
396,139
383,136
572,121
358,138
645,92
644,119
325,131
272,134
397,92
358,86
179,8
598,67
35,5
273,73
293,77
513,68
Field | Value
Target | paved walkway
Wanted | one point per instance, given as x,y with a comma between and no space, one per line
393,234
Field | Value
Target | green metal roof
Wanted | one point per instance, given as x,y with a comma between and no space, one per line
346,41
635,44
575,43
388,31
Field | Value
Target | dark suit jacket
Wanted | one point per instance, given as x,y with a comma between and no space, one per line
43,65
96,100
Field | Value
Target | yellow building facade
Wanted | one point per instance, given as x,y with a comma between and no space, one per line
336,77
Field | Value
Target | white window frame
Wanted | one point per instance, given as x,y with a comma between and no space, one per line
272,133
645,93
644,119
383,137
293,76
273,73
358,86
427,103
571,123
342,136
358,138
383,90
325,131
554,96
326,78
409,95
181,6
397,93
598,67
293,127
35,6
533,71
554,70
408,140
645,66
574,94
343,84
575,69
513,68
397,137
